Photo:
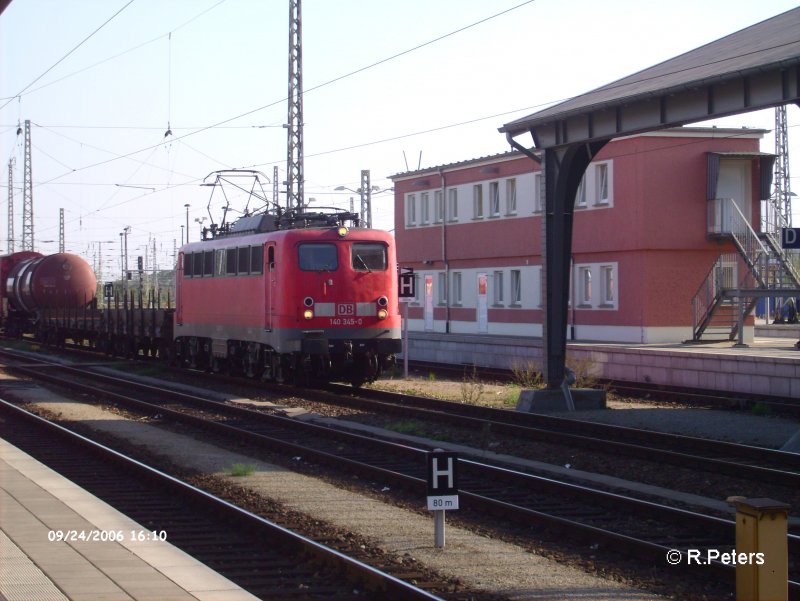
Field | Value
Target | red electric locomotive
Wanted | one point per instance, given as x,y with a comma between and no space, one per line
291,296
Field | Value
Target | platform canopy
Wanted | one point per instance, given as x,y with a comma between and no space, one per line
755,68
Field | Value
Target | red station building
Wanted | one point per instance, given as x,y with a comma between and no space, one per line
655,221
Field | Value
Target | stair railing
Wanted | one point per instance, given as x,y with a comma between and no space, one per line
775,224
722,276
725,217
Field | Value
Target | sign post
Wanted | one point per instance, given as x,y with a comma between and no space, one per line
407,291
442,489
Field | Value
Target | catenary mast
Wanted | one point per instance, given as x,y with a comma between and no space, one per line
27,193
11,205
783,193
294,155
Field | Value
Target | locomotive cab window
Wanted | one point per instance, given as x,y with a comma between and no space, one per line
187,265
256,259
230,261
368,256
318,257
220,262
208,263
197,265
244,260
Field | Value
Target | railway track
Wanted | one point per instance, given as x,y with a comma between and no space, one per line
742,461
644,529
758,464
261,557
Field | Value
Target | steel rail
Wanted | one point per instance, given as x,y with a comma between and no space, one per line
371,578
473,499
676,449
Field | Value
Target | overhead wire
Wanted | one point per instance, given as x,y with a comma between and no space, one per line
63,58
223,124
110,58
319,86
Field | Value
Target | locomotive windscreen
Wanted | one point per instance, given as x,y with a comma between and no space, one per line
318,257
368,256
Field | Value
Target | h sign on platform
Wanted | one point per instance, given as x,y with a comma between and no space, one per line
442,480
790,237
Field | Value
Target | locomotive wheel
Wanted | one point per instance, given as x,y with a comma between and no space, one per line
301,371
365,369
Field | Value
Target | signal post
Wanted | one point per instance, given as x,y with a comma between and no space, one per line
442,489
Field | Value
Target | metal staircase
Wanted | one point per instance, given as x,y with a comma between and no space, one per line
736,281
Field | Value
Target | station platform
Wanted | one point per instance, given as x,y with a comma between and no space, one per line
768,366
36,502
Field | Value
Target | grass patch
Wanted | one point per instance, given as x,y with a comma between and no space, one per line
511,395
411,427
239,470
472,387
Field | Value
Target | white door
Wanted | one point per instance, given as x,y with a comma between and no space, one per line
428,307
735,181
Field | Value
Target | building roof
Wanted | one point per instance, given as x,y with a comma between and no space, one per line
772,46
492,158
722,132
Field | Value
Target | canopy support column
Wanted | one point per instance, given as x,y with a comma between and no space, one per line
563,169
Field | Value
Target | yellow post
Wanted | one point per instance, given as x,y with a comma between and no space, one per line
762,555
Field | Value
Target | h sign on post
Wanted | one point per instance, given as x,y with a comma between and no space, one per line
406,284
442,481
790,237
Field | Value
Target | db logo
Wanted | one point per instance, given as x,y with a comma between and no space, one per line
346,309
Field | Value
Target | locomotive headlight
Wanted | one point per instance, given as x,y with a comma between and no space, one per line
308,313
383,301
342,231
383,314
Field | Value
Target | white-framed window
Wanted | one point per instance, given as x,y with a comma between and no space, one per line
416,288
511,196
453,204
497,288
580,197
596,189
516,287
494,199
456,289
438,206
608,285
538,193
585,285
602,184
477,201
442,282
411,209
542,283
424,208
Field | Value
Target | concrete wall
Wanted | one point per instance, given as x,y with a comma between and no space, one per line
704,368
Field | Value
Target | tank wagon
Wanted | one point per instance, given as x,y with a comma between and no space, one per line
54,299
34,284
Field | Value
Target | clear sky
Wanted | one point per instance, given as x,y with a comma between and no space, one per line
102,81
